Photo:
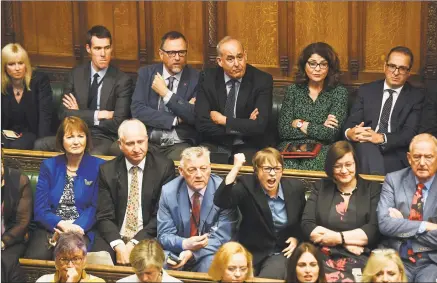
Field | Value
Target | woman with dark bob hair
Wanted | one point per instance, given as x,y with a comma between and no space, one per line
340,215
66,192
314,108
306,265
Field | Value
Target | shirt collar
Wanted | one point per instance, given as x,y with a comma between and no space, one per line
228,78
191,192
398,90
130,165
427,184
101,73
166,74
280,193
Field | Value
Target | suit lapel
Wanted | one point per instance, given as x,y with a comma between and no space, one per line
409,188
261,200
207,205
184,208
326,194
221,90
430,207
362,205
107,85
184,83
149,174
83,87
244,91
400,103
288,198
378,93
122,189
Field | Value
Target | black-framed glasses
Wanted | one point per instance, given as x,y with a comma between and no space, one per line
74,260
402,69
313,64
171,53
268,169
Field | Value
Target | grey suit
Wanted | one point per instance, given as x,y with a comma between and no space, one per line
397,192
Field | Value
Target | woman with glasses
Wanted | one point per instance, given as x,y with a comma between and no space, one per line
231,263
306,265
271,210
314,108
340,215
384,265
147,259
70,260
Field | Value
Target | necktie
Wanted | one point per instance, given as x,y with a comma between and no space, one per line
132,205
161,106
416,214
195,215
92,98
230,101
385,114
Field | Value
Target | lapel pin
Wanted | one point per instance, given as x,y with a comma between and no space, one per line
88,183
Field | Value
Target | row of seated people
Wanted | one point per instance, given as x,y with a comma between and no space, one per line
136,196
226,108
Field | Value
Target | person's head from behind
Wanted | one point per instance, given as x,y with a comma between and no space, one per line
422,156
232,57
173,52
231,263
305,265
70,256
195,167
398,65
319,63
99,47
341,163
384,265
147,259
73,136
268,165
15,66
133,140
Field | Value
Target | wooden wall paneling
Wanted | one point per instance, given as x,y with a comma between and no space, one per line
430,47
79,26
291,34
355,39
142,31
185,17
210,33
149,31
284,59
8,23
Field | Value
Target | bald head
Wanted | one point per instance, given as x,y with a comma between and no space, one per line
131,125
232,57
422,157
423,138
133,140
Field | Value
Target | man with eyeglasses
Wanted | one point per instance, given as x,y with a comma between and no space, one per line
407,210
164,98
234,104
190,227
385,116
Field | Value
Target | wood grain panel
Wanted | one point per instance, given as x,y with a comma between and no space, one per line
185,17
28,22
255,24
389,24
322,21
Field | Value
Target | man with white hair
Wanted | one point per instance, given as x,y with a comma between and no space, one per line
190,227
129,190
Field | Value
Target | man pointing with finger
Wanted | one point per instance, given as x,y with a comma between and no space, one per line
190,227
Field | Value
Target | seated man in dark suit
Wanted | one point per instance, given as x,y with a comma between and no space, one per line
129,190
428,123
385,116
98,93
234,103
407,211
164,98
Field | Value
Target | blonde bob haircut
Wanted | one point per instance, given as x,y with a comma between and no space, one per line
378,260
268,154
10,53
148,253
223,256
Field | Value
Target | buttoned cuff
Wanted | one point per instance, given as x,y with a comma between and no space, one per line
385,139
167,97
96,120
422,228
345,133
135,242
115,243
175,121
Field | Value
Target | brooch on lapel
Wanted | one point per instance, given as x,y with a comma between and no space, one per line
88,183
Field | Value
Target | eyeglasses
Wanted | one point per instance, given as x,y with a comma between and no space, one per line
233,269
429,158
193,170
313,64
348,166
402,69
171,53
268,169
75,260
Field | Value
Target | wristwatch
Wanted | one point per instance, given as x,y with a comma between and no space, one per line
299,124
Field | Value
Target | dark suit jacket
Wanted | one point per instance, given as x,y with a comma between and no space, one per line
428,123
319,204
255,92
115,95
113,194
257,232
18,203
38,109
405,117
145,102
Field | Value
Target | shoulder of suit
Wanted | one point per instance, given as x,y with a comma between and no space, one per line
399,175
258,72
158,158
151,68
295,184
172,186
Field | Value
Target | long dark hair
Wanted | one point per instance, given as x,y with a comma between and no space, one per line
298,252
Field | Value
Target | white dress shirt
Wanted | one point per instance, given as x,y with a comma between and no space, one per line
102,74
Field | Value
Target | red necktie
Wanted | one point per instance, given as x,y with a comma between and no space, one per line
195,215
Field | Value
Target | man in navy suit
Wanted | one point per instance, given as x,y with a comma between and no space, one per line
164,98
385,116
190,226
407,210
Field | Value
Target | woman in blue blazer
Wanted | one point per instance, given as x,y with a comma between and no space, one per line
66,193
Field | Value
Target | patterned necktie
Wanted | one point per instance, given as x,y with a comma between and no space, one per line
230,101
92,98
385,114
132,205
195,215
161,106
416,214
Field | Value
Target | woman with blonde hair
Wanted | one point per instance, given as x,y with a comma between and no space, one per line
26,100
232,263
384,265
